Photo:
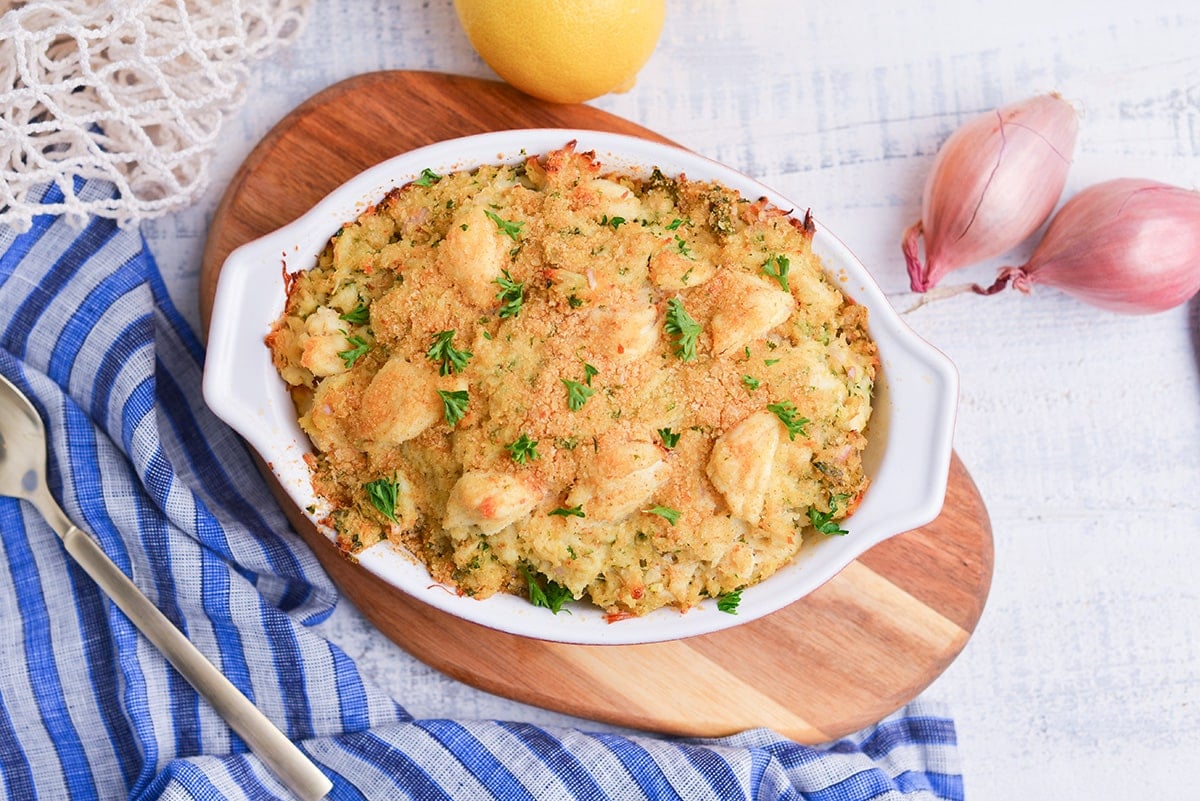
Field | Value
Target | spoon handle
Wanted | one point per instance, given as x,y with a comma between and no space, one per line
267,742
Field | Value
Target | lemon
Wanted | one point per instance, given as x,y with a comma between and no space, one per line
565,51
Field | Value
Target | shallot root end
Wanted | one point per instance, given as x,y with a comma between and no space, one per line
910,246
1015,275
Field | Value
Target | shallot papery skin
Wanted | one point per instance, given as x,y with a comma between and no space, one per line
993,182
1128,245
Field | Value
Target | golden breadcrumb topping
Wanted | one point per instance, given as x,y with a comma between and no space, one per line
545,379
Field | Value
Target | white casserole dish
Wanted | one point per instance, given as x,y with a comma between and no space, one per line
907,458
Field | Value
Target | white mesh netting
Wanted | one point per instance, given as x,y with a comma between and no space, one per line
130,91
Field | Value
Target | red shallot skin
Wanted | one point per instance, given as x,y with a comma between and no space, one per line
1128,245
992,184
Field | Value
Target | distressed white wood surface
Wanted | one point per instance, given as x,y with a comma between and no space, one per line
1081,427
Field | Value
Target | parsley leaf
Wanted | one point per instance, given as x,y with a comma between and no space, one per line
669,438
512,294
786,412
509,228
589,373
359,347
614,222
751,382
777,267
455,405
577,394
452,360
359,315
383,494
551,597
681,325
823,521
675,223
670,515
728,603
683,247
428,178
523,449
568,511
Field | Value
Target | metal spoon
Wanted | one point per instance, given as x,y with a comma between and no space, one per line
23,475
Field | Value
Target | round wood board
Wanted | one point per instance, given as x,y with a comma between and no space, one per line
845,656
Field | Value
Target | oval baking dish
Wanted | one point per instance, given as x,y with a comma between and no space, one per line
907,457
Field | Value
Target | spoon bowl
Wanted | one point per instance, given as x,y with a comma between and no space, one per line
22,439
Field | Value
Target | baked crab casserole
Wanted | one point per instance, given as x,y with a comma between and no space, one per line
550,380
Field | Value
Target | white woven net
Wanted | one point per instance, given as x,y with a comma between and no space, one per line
131,91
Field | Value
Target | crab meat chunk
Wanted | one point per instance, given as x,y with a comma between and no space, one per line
473,254
323,338
620,481
400,402
617,200
741,463
750,310
489,500
625,335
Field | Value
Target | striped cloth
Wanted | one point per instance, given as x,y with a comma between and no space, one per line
88,709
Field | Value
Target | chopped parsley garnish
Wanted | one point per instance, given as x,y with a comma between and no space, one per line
777,267
357,316
769,362
751,383
428,178
455,404
589,373
574,301
577,394
613,222
451,359
383,494
675,223
670,515
681,325
683,247
511,294
523,449
786,412
551,597
669,438
823,521
509,228
728,603
568,511
359,347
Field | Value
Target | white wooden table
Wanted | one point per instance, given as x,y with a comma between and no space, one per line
1080,426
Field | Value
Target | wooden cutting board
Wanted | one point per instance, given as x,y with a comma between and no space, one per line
845,656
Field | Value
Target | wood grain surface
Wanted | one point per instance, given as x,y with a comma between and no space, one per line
858,648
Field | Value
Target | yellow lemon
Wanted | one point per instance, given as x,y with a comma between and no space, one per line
566,51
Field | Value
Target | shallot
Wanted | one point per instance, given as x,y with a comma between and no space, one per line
993,183
1127,245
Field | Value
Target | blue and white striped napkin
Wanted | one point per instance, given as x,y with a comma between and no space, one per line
89,710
